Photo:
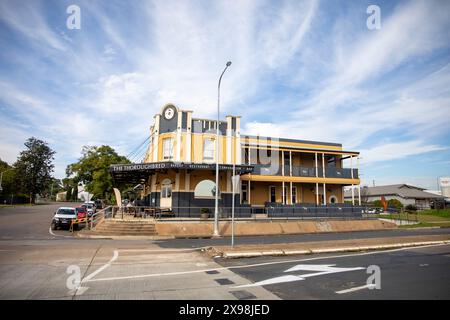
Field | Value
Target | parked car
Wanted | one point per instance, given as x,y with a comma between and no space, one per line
81,212
99,204
90,208
63,217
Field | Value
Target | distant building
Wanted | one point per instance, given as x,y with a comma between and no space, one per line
444,185
406,194
61,196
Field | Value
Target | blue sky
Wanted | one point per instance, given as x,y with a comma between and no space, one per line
301,69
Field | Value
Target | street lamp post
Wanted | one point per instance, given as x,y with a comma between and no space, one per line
216,207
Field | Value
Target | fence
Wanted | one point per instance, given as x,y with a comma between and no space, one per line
302,211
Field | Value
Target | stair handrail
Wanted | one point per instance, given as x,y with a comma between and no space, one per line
99,216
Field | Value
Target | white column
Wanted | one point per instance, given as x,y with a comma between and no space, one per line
317,169
317,193
351,173
249,192
359,185
323,165
290,186
359,194
282,193
324,194
317,175
282,163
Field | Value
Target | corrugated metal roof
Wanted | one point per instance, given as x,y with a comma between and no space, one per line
402,190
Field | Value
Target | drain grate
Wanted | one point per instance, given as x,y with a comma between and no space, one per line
243,295
212,272
224,281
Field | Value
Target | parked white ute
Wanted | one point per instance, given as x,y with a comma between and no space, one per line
63,217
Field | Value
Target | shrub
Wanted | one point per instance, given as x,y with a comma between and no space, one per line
411,207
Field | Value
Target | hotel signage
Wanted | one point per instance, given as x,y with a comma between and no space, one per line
176,165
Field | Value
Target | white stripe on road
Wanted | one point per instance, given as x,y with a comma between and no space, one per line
367,286
163,250
93,274
252,265
58,235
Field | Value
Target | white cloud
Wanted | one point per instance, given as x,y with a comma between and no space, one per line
396,150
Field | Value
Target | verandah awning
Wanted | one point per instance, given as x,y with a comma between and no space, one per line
139,172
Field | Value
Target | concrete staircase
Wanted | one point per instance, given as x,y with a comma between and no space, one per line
124,228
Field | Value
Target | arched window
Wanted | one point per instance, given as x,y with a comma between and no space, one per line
166,188
205,189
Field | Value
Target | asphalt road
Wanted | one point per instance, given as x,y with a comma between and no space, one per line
195,243
415,273
35,264
29,222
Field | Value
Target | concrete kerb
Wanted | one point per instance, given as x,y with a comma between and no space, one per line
251,254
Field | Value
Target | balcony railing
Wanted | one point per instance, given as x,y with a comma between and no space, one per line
330,172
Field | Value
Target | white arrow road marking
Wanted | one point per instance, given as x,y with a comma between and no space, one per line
320,268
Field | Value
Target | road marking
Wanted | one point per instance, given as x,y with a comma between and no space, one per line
367,286
58,235
93,274
253,265
79,290
321,269
162,250
51,232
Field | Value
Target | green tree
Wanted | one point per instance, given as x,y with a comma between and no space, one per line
395,203
93,169
34,167
7,186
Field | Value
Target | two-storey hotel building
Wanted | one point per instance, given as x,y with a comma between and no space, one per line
178,172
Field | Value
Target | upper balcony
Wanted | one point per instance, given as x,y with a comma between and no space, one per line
330,172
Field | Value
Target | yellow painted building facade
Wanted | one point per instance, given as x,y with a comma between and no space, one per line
178,171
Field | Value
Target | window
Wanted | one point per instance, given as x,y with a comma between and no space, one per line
333,199
272,191
168,149
294,195
205,189
208,149
244,193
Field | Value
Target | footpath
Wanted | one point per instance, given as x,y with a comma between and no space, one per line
348,245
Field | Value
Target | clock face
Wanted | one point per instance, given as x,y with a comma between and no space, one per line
169,113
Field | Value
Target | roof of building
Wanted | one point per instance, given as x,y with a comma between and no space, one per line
402,190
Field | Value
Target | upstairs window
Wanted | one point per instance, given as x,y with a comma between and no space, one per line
208,149
168,149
